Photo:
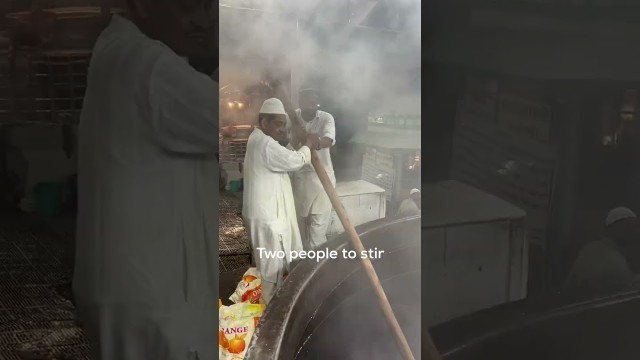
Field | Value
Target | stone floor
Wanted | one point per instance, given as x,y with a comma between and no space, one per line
234,248
36,318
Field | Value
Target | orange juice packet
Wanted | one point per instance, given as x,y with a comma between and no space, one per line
238,322
249,289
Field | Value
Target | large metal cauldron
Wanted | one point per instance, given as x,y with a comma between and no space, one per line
328,310
605,328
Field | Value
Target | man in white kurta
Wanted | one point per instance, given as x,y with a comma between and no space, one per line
411,206
312,202
145,282
268,208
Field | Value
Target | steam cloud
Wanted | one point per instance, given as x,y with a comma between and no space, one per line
312,38
378,67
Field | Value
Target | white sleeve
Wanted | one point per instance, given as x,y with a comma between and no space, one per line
184,107
329,128
281,159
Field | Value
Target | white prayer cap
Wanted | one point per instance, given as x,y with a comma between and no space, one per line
272,106
618,214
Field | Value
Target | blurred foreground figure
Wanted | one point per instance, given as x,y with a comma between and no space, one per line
145,282
268,209
312,202
412,205
608,266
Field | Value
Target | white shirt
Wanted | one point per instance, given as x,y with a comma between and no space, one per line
408,207
266,166
147,220
310,196
268,208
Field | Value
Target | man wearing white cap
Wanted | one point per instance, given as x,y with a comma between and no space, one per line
268,208
145,281
608,266
312,202
412,205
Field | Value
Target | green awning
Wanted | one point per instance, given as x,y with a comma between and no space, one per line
389,138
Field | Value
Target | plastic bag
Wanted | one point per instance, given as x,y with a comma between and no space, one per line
238,322
249,289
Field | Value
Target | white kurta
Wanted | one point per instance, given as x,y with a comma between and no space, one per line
145,279
312,202
408,208
268,207
307,188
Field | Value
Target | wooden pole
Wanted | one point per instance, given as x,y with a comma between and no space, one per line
354,238
368,266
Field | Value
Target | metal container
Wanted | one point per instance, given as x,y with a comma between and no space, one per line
604,328
477,254
328,310
363,201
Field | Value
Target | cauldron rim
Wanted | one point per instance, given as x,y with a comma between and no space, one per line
281,309
461,333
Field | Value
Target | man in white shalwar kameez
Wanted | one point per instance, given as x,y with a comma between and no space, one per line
145,282
411,206
312,202
268,208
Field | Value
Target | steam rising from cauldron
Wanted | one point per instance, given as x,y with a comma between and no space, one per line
358,319
354,64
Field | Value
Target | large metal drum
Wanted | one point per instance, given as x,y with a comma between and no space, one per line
327,310
600,329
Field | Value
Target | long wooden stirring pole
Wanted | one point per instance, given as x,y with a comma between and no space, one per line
401,340
354,238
